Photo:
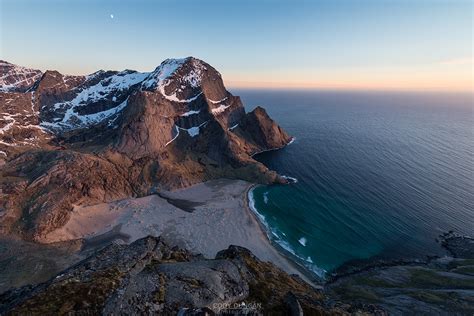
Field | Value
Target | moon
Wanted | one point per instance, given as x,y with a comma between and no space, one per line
111,16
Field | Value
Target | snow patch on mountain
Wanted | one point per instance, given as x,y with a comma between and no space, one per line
176,136
95,74
192,131
12,122
162,78
13,77
194,76
162,72
85,120
192,112
217,102
233,127
103,90
110,85
219,110
174,98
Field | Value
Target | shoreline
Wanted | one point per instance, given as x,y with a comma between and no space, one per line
315,279
349,269
308,276
220,217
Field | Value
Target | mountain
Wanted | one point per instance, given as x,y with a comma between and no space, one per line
80,140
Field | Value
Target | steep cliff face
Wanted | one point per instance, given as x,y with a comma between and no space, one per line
111,135
263,131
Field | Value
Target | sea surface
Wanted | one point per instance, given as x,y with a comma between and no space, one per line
379,175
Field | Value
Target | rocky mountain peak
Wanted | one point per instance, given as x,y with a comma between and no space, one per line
183,80
53,81
125,133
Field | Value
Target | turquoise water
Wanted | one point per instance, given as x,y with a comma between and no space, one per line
380,175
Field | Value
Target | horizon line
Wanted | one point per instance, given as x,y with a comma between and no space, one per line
321,86
289,86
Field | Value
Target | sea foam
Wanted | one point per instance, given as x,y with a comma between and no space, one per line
265,197
279,238
302,241
290,179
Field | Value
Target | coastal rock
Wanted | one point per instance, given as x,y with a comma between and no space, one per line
458,245
441,286
80,140
262,132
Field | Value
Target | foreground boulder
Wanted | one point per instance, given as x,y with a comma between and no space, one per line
81,140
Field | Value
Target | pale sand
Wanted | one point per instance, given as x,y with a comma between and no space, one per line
212,216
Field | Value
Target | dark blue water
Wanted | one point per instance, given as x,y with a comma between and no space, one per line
380,175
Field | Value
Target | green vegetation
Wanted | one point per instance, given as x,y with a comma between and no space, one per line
373,281
468,270
460,263
423,278
432,297
449,300
159,296
269,286
73,295
350,293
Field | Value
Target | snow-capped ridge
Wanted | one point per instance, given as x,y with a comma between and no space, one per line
105,90
96,97
17,78
191,73
162,72
95,74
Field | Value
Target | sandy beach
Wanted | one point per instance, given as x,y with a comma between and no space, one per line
204,218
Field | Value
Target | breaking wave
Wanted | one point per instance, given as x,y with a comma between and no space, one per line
265,197
279,238
290,179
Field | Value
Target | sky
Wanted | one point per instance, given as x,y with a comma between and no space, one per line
333,44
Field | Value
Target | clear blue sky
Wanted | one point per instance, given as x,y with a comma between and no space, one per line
251,42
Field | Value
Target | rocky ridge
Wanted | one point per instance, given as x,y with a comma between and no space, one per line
148,277
15,78
80,140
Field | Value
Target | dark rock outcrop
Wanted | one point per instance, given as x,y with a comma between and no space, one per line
78,140
459,246
149,277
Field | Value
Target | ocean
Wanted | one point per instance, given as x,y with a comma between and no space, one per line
379,175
